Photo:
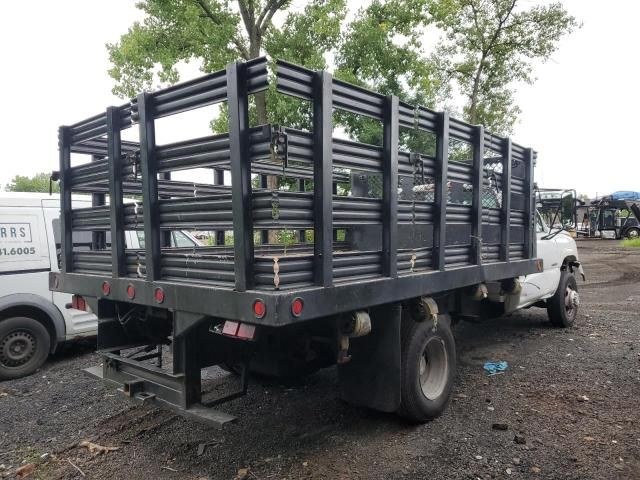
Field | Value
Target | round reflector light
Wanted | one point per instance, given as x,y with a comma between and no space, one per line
131,292
296,307
158,294
259,308
106,288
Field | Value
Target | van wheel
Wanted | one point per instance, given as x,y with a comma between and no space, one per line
24,347
428,368
562,308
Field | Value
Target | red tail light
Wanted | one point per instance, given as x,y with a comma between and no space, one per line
259,308
158,294
131,292
106,289
296,307
78,303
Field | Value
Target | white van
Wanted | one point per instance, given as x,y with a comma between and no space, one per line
34,320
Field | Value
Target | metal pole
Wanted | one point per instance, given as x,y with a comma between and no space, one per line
116,208
149,187
390,189
301,187
476,212
441,193
218,179
323,179
165,235
334,190
98,237
264,234
530,231
66,234
240,176
505,226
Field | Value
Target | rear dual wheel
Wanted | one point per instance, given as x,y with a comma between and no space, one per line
428,367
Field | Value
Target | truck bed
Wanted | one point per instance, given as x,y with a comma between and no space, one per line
363,224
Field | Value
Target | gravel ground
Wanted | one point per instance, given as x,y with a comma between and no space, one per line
569,407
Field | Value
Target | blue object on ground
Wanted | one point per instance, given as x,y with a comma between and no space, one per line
494,368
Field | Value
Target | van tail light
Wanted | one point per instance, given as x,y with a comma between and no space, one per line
78,303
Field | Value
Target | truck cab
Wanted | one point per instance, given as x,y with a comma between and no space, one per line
559,252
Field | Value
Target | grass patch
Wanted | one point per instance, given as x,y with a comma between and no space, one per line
631,242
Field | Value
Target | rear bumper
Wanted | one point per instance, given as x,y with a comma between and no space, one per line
146,384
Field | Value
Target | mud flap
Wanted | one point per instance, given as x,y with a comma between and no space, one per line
372,377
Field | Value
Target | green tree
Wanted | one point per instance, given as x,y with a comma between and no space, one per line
489,45
382,50
216,32
38,183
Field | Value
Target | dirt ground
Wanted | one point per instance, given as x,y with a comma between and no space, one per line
571,399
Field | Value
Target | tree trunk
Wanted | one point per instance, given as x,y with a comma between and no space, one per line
473,103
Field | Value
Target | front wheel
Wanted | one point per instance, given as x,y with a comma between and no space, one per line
562,308
428,367
633,233
24,347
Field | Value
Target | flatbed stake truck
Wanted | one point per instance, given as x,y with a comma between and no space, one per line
385,248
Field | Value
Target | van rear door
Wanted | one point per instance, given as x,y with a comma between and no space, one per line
23,242
78,322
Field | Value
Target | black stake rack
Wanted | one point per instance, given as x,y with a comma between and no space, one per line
387,224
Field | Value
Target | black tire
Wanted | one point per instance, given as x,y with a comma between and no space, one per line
428,368
24,347
632,232
562,308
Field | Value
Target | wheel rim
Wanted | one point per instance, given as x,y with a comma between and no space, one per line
571,301
17,348
633,233
434,368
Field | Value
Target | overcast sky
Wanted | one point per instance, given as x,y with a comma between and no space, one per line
580,115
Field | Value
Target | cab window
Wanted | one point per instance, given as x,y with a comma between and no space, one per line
179,239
